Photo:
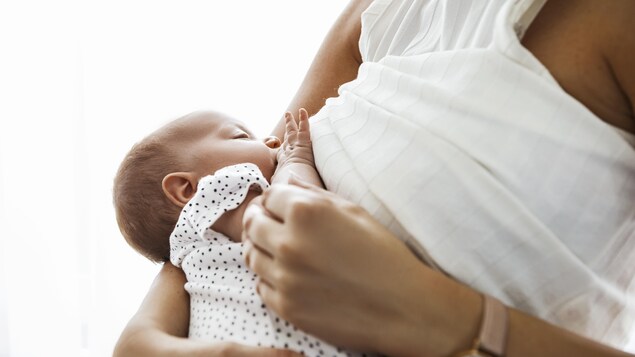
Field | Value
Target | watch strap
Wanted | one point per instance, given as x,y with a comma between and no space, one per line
494,325
492,336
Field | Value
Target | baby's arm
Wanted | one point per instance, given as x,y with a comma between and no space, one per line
296,154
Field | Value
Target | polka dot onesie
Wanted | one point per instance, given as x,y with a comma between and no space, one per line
224,305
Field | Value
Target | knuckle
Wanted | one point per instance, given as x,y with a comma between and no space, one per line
278,276
284,280
301,210
284,248
287,284
287,250
286,309
318,207
325,203
352,208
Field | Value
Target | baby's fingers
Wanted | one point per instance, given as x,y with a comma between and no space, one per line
290,125
303,124
290,122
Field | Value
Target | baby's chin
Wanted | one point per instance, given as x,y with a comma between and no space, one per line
254,193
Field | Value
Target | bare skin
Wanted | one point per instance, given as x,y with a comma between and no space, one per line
588,47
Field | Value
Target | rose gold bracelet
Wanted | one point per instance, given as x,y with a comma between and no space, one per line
492,337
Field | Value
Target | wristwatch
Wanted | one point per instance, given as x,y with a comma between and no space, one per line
492,337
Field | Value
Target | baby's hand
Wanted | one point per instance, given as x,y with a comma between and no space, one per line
296,147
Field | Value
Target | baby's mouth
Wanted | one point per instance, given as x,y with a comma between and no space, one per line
275,157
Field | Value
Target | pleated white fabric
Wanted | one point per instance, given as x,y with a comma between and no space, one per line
460,141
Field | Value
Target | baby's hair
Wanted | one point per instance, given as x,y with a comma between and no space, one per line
146,217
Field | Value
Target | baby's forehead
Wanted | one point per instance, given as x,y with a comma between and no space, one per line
206,119
201,123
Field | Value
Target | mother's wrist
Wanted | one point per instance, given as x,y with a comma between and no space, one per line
439,317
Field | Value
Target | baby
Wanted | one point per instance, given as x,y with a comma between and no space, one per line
180,195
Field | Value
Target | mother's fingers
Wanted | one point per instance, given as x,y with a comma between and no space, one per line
259,262
268,295
279,201
262,230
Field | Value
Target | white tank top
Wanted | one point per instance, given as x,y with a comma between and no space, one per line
461,142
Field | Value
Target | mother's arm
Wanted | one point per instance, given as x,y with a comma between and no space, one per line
329,268
162,321
160,326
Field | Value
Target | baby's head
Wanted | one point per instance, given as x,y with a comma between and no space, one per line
160,174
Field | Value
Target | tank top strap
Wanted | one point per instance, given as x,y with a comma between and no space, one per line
512,22
524,14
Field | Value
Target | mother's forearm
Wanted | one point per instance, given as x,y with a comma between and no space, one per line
139,340
160,327
441,318
162,321
529,336
142,341
435,316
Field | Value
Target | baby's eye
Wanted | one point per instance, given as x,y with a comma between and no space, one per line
241,136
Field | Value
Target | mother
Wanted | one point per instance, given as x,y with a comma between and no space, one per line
488,158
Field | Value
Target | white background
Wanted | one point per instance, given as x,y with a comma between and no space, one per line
80,82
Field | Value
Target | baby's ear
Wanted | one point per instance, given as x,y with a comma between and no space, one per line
180,187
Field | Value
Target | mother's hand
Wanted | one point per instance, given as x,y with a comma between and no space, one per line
329,268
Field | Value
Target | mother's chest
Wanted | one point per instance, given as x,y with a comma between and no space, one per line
570,38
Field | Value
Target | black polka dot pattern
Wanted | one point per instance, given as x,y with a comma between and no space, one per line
215,195
224,305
